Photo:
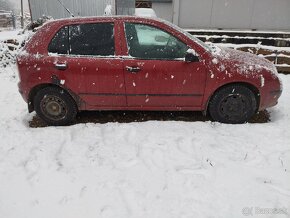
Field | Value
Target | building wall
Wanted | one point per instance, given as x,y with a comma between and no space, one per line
277,16
227,14
78,8
163,10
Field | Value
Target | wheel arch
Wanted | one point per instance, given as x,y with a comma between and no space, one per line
39,87
252,87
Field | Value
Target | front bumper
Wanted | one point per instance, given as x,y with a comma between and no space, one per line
270,99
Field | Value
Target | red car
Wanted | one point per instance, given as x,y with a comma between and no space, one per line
130,63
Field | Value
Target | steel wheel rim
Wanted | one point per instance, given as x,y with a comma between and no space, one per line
53,107
234,106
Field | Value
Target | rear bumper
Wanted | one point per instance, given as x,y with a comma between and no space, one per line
24,92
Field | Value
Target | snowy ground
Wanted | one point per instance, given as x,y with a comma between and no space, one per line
142,170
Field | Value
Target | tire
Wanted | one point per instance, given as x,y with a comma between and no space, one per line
55,106
233,104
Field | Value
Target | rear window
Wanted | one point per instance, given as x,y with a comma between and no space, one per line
59,44
84,39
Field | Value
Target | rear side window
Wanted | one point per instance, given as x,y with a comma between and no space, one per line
92,39
85,39
59,43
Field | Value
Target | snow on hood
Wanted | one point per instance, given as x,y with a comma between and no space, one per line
241,62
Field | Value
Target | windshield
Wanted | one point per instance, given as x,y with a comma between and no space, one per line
208,47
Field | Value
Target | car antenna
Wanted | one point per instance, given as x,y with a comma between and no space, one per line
71,14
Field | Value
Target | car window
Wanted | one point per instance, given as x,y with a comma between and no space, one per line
148,42
59,43
92,39
84,39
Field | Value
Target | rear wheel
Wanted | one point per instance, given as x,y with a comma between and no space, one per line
55,106
233,104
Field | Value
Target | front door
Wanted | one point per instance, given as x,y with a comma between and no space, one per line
156,74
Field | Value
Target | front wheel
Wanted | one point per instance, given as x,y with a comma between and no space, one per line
55,106
233,104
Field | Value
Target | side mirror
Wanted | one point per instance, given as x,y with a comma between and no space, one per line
191,56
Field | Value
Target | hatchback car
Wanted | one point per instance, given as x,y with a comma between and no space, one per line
134,63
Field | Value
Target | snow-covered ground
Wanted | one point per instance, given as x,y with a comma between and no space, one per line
142,170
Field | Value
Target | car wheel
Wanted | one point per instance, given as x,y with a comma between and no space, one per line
55,106
233,104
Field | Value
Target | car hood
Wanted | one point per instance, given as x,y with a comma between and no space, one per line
234,61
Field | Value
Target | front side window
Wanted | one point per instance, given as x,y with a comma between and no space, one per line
84,39
148,42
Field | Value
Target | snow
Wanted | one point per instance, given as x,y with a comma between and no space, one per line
247,64
191,51
237,31
262,80
17,35
258,46
8,51
145,12
152,169
238,37
108,10
215,61
5,35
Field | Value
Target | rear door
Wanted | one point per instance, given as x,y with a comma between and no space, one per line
93,65
156,74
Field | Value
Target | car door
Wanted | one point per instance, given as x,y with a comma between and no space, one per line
92,63
156,73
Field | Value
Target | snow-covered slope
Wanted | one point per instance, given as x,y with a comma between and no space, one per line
151,169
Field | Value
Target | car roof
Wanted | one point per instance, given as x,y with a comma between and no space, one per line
103,18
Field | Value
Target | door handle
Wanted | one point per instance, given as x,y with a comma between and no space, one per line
61,66
133,69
